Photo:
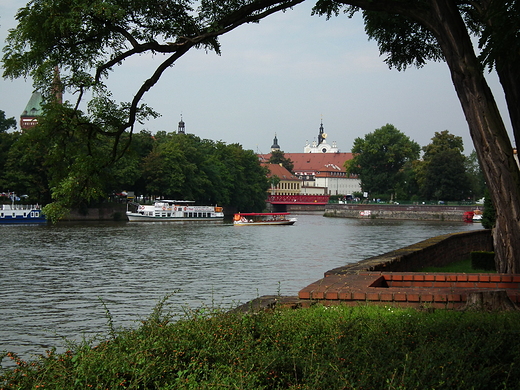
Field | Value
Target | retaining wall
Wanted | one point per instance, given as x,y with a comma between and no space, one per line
413,212
433,252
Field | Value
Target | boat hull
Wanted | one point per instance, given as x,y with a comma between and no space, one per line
136,217
10,215
260,223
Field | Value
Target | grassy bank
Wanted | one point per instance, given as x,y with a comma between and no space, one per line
316,348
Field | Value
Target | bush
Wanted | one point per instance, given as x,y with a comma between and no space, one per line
321,347
483,260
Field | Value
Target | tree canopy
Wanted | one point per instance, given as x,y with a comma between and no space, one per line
442,173
278,157
379,159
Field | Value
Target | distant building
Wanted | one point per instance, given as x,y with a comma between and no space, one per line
321,168
288,184
321,146
33,110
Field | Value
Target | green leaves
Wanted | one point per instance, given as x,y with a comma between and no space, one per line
380,157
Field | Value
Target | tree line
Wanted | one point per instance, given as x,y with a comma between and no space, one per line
387,162
50,160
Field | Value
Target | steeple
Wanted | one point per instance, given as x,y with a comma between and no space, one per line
321,145
275,144
322,135
181,129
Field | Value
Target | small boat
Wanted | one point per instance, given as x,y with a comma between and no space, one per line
472,216
245,219
175,210
21,213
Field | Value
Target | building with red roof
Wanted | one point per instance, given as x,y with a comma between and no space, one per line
287,183
321,167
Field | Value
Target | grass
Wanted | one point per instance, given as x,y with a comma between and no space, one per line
339,347
463,266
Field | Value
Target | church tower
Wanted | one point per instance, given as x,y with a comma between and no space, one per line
181,129
321,146
275,145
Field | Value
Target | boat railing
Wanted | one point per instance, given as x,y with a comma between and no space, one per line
10,207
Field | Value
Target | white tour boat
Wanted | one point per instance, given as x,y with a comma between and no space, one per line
175,210
245,219
21,213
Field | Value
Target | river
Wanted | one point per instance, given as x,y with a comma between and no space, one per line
53,279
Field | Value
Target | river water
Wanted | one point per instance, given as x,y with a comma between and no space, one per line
53,279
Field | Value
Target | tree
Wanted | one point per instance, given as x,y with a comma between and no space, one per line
476,180
6,123
6,140
442,174
379,159
278,157
442,34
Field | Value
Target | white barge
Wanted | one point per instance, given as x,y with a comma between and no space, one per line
175,210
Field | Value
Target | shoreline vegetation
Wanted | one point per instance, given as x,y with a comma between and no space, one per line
320,347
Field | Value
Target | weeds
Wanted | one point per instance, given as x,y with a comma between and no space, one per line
320,347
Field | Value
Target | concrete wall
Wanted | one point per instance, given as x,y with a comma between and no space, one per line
106,212
436,251
414,212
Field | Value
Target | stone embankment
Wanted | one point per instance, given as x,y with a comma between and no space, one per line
394,278
389,211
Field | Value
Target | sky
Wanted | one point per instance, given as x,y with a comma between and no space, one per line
283,76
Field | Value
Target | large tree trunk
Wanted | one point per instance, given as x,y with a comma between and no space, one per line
509,76
487,130
489,300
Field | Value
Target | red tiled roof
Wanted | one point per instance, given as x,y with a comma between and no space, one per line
309,162
281,172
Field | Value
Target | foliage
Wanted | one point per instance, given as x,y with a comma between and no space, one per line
316,348
442,174
489,214
6,141
278,157
379,159
6,123
476,180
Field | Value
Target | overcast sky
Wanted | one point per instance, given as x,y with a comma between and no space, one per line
283,75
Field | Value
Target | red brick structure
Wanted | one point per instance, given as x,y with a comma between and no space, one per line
389,279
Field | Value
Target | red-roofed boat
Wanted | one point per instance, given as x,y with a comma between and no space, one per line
245,219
